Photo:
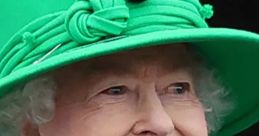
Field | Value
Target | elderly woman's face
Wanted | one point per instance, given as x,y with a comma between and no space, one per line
148,92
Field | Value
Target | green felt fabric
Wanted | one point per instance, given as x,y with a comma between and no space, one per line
37,37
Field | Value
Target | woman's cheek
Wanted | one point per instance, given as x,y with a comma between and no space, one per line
113,120
189,121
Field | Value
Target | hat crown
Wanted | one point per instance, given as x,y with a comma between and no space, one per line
19,13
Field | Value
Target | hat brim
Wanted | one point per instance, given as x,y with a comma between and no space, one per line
233,53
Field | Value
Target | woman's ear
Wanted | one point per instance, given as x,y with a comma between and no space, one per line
29,129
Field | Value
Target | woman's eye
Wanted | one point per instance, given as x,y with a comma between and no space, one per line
117,90
179,88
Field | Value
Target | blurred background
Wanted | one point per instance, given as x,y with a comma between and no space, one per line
240,14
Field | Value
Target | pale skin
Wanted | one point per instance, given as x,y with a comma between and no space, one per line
146,92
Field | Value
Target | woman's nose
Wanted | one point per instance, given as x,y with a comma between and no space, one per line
152,119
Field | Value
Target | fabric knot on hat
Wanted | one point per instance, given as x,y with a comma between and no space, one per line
207,11
90,20
28,38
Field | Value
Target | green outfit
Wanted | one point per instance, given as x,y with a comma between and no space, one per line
50,34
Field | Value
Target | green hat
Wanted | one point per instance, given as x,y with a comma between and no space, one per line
50,34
